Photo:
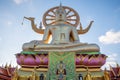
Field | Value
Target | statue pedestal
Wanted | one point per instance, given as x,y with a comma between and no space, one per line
74,63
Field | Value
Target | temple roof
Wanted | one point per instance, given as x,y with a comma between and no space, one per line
115,72
6,72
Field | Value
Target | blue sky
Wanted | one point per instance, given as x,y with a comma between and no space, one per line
105,30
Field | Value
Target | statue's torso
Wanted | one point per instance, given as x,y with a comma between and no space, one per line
60,33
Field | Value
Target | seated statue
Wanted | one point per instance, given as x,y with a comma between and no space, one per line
64,36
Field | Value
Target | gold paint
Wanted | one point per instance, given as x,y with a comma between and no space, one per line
106,75
42,69
88,76
27,69
15,75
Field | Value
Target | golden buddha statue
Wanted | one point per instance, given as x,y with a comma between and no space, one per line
64,34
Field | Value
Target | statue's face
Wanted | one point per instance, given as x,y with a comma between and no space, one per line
60,15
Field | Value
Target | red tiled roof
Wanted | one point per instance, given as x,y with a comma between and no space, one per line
6,73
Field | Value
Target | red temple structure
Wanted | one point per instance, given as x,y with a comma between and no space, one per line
6,72
114,72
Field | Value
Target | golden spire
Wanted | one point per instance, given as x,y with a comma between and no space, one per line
88,76
6,65
9,65
33,73
106,74
117,65
15,75
7,68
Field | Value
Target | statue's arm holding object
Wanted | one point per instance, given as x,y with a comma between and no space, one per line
83,31
34,27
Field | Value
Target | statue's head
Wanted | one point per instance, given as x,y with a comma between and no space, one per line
60,14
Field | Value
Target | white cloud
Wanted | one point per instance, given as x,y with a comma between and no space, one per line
108,64
111,37
112,57
9,22
0,39
20,1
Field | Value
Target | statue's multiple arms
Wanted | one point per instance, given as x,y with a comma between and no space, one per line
83,31
34,27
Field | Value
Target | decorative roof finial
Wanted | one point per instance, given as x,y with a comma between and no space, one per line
60,4
6,65
117,65
60,7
